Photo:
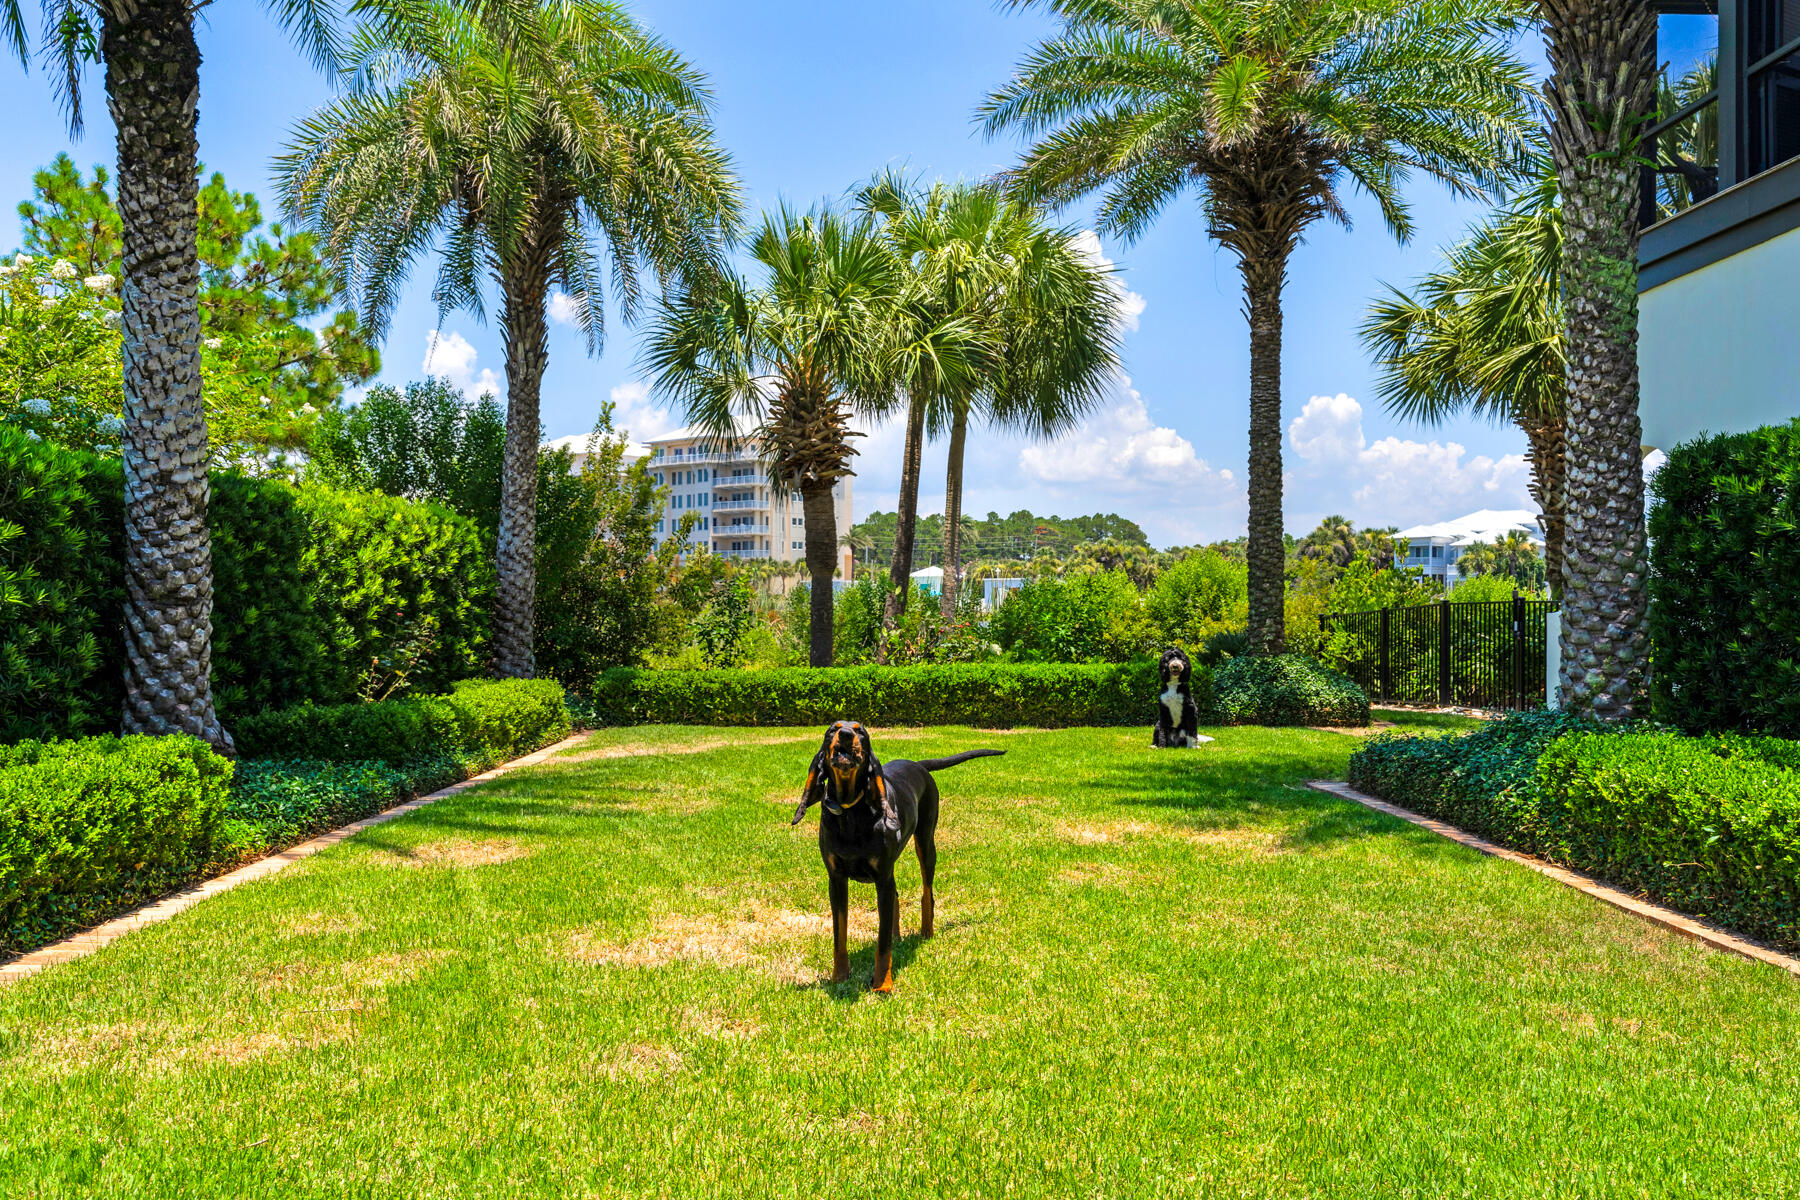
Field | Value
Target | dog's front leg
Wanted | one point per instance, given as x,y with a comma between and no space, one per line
887,900
840,928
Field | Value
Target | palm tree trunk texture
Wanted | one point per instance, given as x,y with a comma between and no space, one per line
820,513
152,89
1548,467
1265,552
906,526
526,337
953,481
1602,84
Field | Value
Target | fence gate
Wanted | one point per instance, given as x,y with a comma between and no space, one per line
1478,653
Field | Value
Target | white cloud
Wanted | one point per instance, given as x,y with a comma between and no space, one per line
1131,305
1122,448
1391,481
637,414
451,356
562,308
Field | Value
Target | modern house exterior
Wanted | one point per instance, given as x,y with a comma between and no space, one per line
739,515
1434,549
1718,335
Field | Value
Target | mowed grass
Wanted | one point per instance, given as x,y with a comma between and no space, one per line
1156,974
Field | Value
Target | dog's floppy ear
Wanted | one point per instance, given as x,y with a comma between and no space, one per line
875,786
814,789
1187,668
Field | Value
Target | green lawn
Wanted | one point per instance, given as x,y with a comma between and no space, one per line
1156,973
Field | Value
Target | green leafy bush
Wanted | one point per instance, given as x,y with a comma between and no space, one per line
1200,597
1484,781
1093,617
87,826
1724,554
489,720
60,657
1285,689
992,695
1711,824
275,803
317,595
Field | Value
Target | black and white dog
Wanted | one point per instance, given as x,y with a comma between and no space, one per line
1177,718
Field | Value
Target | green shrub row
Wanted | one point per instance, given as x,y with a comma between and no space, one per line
991,695
489,720
1285,689
88,826
1724,554
318,595
93,826
1708,824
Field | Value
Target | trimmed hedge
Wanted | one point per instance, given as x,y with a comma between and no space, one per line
90,826
991,695
1285,689
488,720
1724,554
315,591
1710,825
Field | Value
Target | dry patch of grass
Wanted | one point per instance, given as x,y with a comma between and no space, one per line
1354,730
1100,874
760,937
641,1061
720,1027
319,924
455,852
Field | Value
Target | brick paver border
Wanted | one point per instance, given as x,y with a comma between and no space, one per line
88,941
1656,914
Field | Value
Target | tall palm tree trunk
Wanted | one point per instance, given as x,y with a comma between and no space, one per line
953,481
152,89
820,513
906,525
1601,86
1265,551
1547,455
526,337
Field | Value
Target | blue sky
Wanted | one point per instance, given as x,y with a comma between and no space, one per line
813,97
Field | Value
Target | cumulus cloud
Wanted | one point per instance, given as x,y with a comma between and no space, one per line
636,413
1393,480
1131,305
451,356
1122,448
562,308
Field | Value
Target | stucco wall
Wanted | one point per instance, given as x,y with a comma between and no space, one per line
1719,348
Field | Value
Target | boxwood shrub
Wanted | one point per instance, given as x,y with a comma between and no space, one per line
488,720
991,695
92,825
1710,824
1285,689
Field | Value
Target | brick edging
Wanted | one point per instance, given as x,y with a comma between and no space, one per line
1656,914
89,940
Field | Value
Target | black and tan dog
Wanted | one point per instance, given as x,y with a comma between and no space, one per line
870,810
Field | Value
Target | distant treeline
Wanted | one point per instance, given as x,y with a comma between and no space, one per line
1023,535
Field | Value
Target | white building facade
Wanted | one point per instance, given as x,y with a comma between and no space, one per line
1718,334
1435,549
738,513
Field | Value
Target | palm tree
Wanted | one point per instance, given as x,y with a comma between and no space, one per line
512,137
791,359
1484,334
1003,315
152,65
1334,541
1601,92
1266,109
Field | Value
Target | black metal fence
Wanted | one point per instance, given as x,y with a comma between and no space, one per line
1480,653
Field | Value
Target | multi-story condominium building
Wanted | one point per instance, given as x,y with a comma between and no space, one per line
1434,549
1718,338
738,514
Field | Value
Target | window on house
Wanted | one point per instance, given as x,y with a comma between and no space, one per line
1437,552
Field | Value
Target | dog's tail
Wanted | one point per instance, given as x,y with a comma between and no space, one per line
938,764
